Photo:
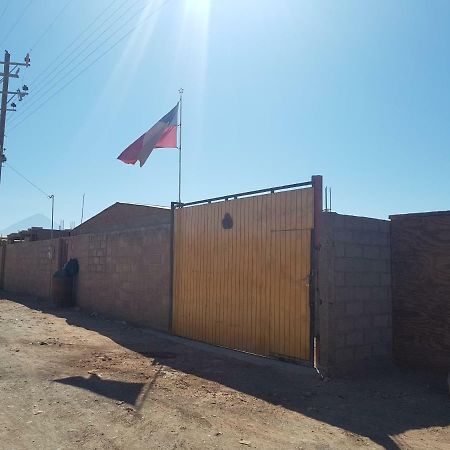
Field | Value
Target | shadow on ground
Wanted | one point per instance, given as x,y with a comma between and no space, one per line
117,390
376,405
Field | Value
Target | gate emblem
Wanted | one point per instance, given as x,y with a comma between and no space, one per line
227,221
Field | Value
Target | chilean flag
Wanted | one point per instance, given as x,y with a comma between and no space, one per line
161,135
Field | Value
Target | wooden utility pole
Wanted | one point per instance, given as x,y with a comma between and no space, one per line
3,108
7,74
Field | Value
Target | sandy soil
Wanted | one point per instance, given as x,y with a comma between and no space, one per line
72,380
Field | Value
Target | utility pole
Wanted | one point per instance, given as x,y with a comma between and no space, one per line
7,74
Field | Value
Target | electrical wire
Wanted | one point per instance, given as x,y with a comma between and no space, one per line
15,125
4,10
27,180
39,94
18,20
74,62
50,26
50,66
36,96
63,51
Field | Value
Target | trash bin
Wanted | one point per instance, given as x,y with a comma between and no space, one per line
62,284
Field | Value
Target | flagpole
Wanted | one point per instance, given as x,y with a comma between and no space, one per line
179,145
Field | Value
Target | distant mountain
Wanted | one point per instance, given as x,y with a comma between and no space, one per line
37,220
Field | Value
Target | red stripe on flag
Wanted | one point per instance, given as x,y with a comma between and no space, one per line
168,138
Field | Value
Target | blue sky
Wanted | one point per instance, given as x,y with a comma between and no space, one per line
275,91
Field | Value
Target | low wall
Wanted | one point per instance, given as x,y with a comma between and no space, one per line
355,307
2,263
29,266
421,289
125,274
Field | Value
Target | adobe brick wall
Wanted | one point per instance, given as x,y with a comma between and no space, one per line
355,305
421,289
29,267
2,262
125,274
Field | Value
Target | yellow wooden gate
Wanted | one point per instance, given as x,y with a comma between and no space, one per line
241,274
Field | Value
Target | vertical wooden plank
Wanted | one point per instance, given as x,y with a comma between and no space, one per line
178,260
278,278
252,308
284,273
194,250
205,281
255,263
274,250
176,273
222,256
301,281
229,313
187,272
307,222
246,326
183,282
238,258
312,213
179,264
219,256
303,315
266,272
234,267
290,319
211,296
242,278
202,286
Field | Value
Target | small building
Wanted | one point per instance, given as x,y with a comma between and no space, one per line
124,216
36,234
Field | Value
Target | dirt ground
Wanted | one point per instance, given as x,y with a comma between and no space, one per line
73,380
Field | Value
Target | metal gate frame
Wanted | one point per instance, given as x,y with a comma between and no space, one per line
316,183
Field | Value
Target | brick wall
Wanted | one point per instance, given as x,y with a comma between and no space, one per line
355,307
125,274
421,289
29,266
2,262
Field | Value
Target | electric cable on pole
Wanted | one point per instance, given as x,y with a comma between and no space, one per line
49,196
8,96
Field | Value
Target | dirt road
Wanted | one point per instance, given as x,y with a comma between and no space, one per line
71,380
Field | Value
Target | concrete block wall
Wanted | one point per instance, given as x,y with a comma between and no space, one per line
125,274
355,305
29,266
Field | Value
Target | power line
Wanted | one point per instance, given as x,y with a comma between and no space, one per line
38,97
86,47
27,180
18,20
74,41
39,94
4,10
50,26
91,63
